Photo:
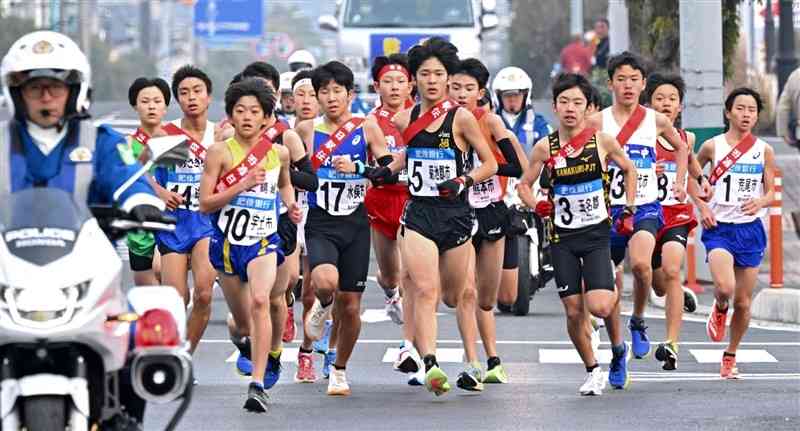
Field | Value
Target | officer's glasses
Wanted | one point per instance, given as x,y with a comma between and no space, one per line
35,89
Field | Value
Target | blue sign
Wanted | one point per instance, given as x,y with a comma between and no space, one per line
229,19
393,43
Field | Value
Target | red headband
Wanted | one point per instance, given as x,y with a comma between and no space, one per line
393,68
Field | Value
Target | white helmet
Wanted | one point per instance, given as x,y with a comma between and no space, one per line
301,59
511,79
286,82
46,54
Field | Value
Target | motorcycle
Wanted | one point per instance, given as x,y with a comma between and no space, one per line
69,337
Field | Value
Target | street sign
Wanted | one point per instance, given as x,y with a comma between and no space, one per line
229,19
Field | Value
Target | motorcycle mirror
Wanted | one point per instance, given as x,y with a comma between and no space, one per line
168,151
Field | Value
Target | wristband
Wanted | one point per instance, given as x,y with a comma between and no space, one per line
360,167
468,181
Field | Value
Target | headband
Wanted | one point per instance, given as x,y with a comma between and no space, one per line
393,68
300,83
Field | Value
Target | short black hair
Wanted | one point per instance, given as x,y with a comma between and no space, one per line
301,74
658,79
250,87
743,91
565,81
260,69
626,58
474,68
594,100
444,51
189,71
236,78
332,71
380,61
141,83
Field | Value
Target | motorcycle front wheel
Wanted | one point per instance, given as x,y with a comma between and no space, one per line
45,413
527,283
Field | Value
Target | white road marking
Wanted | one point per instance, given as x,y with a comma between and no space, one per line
442,355
569,356
289,355
543,342
777,326
374,315
710,356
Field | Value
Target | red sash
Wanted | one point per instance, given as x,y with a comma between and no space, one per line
196,148
738,151
574,146
141,136
441,108
383,116
479,113
631,125
256,154
336,139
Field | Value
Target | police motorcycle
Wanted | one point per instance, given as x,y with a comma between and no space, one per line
535,266
69,336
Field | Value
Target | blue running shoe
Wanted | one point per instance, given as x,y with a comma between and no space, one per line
618,376
639,340
273,372
321,346
330,358
244,366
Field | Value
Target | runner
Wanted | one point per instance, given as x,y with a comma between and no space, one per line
437,221
188,245
337,231
575,173
665,95
246,246
636,128
150,98
467,87
393,82
733,234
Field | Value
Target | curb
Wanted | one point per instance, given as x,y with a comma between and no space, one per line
780,305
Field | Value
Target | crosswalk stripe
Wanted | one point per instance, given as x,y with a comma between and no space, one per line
442,355
709,356
289,355
570,356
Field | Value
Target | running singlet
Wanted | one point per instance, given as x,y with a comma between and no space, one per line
433,158
339,194
579,188
493,189
676,213
743,181
184,179
252,215
641,149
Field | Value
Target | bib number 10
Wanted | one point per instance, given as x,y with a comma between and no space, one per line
236,224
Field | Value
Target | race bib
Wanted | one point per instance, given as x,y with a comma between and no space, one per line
643,158
428,167
185,181
485,192
579,205
252,215
665,185
339,193
741,182
391,144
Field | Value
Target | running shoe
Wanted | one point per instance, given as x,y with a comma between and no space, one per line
315,321
305,368
639,340
244,366
418,378
289,329
330,358
321,346
594,384
618,376
337,385
436,381
496,375
273,372
394,308
689,300
408,360
595,336
667,352
727,369
470,379
715,326
256,399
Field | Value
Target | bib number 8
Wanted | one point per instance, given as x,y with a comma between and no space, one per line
663,182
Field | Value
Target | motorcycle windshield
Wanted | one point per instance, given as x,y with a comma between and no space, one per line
40,225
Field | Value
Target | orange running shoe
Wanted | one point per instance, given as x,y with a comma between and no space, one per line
715,327
727,369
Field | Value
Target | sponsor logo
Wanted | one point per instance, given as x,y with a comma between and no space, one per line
756,155
562,288
42,47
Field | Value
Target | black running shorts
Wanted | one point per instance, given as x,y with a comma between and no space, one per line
447,224
342,241
585,258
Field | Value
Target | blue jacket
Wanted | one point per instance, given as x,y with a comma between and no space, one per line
528,124
64,167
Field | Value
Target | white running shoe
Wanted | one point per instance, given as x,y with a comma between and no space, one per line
315,321
594,384
418,378
408,360
337,383
394,308
595,339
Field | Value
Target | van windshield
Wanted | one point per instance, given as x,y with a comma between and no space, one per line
412,13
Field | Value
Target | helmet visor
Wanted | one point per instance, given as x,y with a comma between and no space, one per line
17,79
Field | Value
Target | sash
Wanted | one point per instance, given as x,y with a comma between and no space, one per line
383,115
141,136
738,151
197,149
441,108
631,125
574,146
336,139
256,154
479,113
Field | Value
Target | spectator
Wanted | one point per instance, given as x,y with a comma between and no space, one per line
786,123
600,43
576,57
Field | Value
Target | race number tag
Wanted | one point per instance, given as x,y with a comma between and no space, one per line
643,158
185,181
740,183
485,192
666,182
428,167
252,215
579,205
339,193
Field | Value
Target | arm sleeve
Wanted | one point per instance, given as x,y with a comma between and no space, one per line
512,167
303,176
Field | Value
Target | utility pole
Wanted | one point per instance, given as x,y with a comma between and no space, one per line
769,35
787,62
145,31
618,33
576,17
85,26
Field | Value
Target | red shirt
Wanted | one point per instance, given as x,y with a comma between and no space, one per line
576,58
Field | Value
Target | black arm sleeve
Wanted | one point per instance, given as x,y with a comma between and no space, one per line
512,167
303,176
385,160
